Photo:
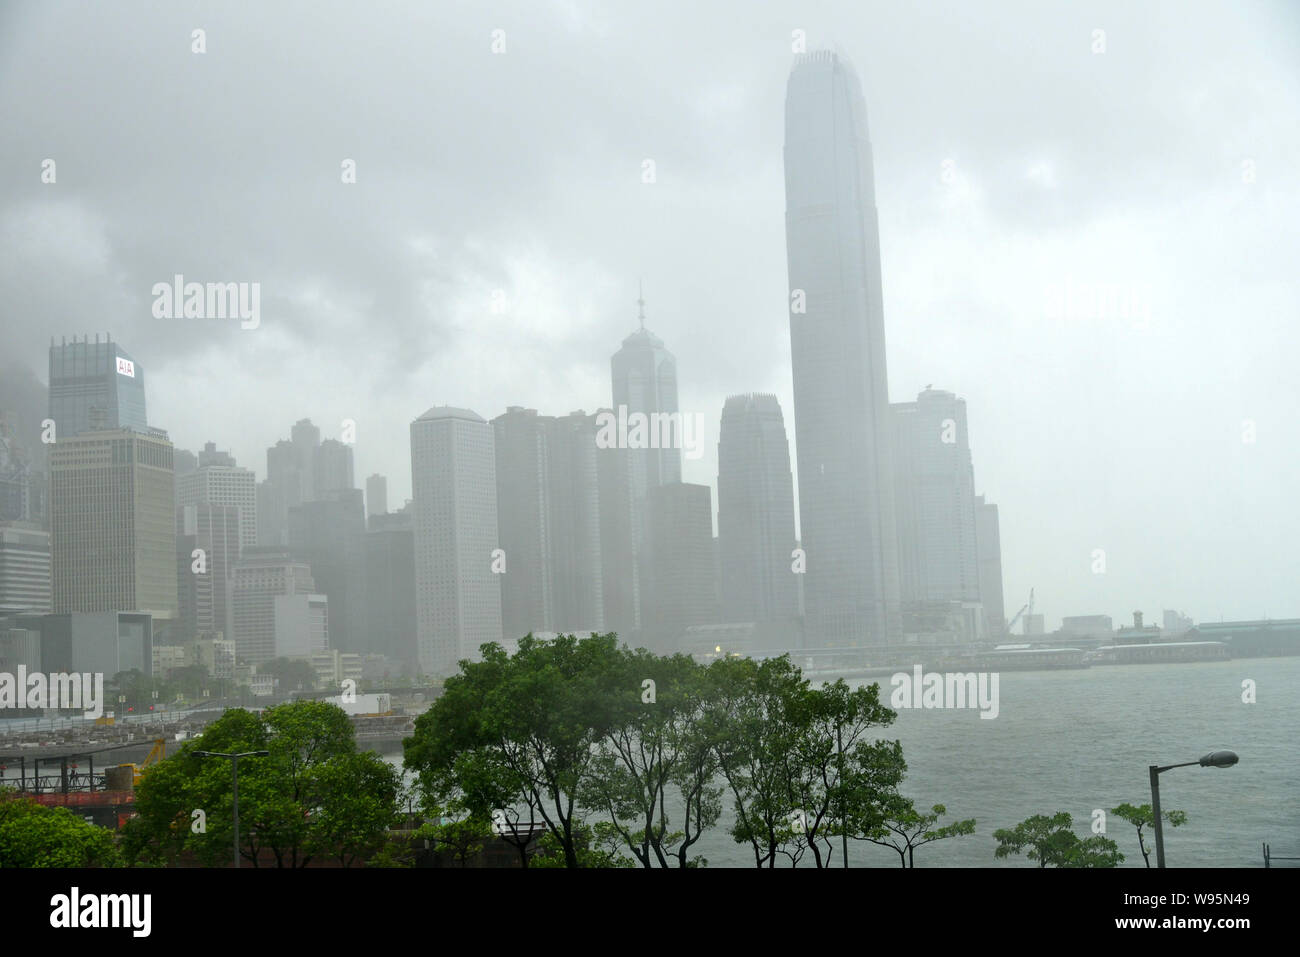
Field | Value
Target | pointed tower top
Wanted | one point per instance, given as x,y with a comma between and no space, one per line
640,302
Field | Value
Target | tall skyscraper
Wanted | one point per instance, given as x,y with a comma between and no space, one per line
644,377
95,385
219,481
989,547
755,512
645,381
935,482
113,524
837,344
376,495
548,516
453,481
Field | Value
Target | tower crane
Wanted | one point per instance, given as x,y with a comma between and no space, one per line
1027,607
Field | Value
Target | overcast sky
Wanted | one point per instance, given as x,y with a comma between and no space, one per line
1011,160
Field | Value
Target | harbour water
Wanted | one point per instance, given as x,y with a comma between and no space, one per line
1079,740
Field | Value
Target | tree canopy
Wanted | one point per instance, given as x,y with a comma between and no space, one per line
33,835
650,745
314,795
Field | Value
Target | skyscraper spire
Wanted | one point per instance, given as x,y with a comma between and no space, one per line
640,303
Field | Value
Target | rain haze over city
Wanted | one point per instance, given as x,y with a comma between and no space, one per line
872,426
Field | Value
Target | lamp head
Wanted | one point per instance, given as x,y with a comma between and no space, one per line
1219,759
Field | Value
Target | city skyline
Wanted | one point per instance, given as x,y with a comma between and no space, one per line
1160,548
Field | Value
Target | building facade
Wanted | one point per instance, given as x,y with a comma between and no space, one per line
260,576
207,548
390,624
988,539
837,344
219,481
328,534
113,524
376,495
678,567
24,568
755,513
95,386
453,481
935,500
548,515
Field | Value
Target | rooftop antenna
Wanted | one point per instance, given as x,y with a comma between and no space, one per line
640,302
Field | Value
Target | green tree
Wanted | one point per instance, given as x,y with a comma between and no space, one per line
796,759
902,827
655,744
293,674
1044,839
834,774
33,835
1141,816
313,795
464,837
1095,851
1050,841
596,845
531,721
189,681
751,730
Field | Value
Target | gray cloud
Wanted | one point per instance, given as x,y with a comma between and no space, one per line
522,172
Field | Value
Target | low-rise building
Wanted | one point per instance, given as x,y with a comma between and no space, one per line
168,658
333,667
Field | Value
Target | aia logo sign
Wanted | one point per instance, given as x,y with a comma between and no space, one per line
125,367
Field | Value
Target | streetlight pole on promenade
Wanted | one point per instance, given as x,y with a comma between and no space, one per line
1215,759
234,770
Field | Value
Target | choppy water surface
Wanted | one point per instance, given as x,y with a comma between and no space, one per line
1078,740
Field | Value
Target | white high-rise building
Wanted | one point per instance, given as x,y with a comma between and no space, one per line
219,484
453,481
837,347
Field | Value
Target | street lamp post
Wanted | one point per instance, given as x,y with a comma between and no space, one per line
234,770
1215,759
